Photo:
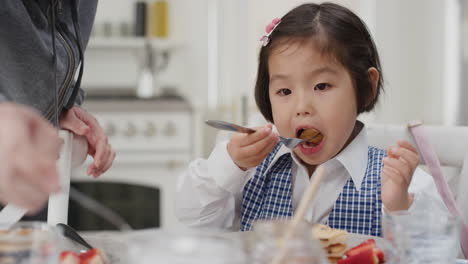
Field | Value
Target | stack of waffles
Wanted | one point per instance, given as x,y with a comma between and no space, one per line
332,240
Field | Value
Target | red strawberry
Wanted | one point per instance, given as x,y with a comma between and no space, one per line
365,256
92,256
368,244
380,255
69,257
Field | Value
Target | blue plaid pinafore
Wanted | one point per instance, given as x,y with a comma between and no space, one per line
268,195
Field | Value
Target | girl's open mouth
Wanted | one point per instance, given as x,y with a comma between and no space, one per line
314,135
315,143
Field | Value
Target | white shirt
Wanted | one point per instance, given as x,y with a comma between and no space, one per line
209,193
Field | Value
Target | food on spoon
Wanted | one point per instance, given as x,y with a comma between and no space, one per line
311,132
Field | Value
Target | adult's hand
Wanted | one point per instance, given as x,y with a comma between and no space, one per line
84,124
29,148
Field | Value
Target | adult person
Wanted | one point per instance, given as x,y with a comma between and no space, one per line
28,152
41,65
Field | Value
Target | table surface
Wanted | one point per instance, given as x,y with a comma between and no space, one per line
115,244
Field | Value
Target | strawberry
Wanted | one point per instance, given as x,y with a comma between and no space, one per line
368,244
364,256
380,255
69,257
92,256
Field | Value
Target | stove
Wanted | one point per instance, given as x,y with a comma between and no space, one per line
154,144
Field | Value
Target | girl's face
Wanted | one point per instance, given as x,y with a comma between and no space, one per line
308,90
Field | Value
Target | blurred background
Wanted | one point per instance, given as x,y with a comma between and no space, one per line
155,70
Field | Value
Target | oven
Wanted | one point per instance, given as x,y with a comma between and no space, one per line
153,142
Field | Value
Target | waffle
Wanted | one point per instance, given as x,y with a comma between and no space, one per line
332,240
311,132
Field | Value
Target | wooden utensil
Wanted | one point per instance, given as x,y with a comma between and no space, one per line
299,214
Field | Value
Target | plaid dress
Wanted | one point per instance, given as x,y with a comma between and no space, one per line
268,195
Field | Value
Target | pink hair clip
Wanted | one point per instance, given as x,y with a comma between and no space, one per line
269,29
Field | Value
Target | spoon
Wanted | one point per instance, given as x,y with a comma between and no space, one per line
290,143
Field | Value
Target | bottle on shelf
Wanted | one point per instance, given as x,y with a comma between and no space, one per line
158,20
140,18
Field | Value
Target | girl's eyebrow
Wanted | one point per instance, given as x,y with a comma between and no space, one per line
325,69
277,77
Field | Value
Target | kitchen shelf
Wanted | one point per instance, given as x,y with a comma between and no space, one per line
131,43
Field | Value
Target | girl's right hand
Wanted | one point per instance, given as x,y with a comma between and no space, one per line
249,150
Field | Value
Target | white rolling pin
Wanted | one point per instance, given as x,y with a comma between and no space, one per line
72,155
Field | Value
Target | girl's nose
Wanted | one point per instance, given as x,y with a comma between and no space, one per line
302,113
304,105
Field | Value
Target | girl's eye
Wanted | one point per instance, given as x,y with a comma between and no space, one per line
284,91
321,86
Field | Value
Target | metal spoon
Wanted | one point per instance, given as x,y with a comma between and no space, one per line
290,143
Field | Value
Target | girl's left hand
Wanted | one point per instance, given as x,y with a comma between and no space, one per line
397,173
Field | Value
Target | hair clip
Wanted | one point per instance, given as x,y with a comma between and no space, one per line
269,29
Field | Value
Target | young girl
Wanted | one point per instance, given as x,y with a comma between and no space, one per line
318,68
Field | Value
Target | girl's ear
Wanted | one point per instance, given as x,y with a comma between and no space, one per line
374,76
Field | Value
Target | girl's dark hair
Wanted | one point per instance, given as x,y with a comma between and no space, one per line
337,32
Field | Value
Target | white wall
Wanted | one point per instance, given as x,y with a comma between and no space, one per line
411,38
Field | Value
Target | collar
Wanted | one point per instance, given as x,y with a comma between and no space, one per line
353,158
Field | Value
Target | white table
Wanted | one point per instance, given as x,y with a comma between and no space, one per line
116,244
